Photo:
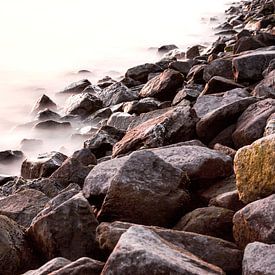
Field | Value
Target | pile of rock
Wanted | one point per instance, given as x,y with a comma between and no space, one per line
176,174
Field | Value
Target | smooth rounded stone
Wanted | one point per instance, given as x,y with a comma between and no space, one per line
167,48
52,125
256,180
23,206
85,156
255,222
44,102
270,125
47,114
219,67
82,105
71,171
116,93
65,228
31,144
251,124
212,221
259,258
229,200
146,190
218,84
248,67
163,86
102,142
266,88
105,82
82,266
175,125
49,267
182,66
144,105
42,166
15,254
141,72
224,137
120,120
76,87
185,93
10,156
193,52
224,149
140,250
212,250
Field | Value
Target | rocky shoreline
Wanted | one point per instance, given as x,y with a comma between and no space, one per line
176,172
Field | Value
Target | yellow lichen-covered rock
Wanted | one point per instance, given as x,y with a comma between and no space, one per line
254,167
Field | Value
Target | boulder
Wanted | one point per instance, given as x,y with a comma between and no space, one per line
163,86
76,87
266,88
142,106
225,149
139,251
120,120
182,66
193,52
224,137
167,48
270,125
65,228
52,125
85,156
47,114
259,259
105,82
42,166
23,206
177,124
256,180
212,221
146,190
10,156
187,94
255,222
44,102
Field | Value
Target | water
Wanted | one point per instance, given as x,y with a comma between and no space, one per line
44,42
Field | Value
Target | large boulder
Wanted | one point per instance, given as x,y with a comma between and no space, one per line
66,228
141,251
270,125
23,206
121,120
266,88
251,124
255,222
177,124
141,106
259,259
256,180
44,102
163,86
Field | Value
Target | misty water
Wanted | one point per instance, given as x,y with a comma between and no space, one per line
45,42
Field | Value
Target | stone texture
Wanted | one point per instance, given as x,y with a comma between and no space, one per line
85,156
44,102
266,88
76,87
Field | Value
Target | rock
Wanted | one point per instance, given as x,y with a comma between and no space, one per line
142,106
270,125
65,228
15,254
71,171
218,84
256,180
212,221
23,206
248,67
270,68
105,82
182,66
224,137
173,126
102,142
163,86
9,156
44,102
139,251
82,266
130,83
120,120
47,114
251,124
49,267
224,149
6,178
76,87
266,88
193,52
219,67
172,55
255,222
85,156
51,125
117,93
82,104
217,47
141,72
259,259
195,75
167,48
145,190
185,93
42,166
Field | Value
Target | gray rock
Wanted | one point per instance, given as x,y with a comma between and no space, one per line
44,102
76,87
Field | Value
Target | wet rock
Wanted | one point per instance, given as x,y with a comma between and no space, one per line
6,178
44,102
65,228
185,93
256,180
85,156
266,88
195,75
193,52
255,222
82,104
145,190
51,125
120,120
259,259
23,206
140,250
116,93
102,142
130,83
76,87
173,126
218,84
142,106
105,82
270,68
163,86
141,72
251,124
42,166
9,156
47,114
167,48
182,66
